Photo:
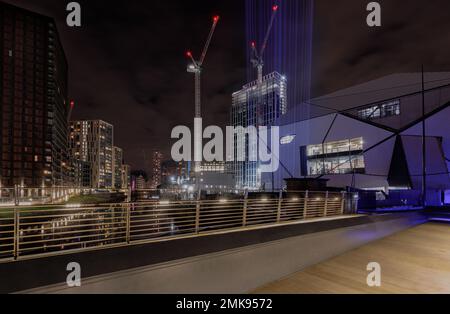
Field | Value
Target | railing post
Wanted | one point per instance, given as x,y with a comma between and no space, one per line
244,212
305,208
16,233
325,212
280,202
129,195
197,212
128,222
344,195
16,195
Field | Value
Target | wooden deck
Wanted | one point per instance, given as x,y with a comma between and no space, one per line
413,261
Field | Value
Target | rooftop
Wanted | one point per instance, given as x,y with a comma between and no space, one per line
378,90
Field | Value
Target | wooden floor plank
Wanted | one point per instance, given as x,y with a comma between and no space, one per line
413,261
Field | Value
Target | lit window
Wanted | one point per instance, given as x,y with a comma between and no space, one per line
340,157
384,110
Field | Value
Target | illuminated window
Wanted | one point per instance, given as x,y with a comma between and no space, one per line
380,111
340,157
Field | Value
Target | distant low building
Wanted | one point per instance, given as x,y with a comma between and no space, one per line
139,179
174,173
141,184
214,177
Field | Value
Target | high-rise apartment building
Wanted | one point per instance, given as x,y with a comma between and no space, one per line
117,167
34,105
92,142
157,159
256,104
82,173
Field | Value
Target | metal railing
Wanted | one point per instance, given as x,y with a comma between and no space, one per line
44,231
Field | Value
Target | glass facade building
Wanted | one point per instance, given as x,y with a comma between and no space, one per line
255,105
380,111
340,157
34,105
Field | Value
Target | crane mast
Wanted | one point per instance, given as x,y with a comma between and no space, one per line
196,67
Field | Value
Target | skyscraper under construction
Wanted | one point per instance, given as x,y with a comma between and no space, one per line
279,39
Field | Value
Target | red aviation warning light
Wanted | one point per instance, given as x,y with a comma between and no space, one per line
188,54
275,7
216,18
69,114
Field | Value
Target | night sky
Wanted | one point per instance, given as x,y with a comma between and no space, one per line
127,62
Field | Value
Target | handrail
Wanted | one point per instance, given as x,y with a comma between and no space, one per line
28,232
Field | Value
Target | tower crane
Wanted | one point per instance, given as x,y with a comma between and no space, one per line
196,67
258,57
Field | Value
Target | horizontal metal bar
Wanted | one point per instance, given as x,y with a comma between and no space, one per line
105,225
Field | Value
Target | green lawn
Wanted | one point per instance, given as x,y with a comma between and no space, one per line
89,199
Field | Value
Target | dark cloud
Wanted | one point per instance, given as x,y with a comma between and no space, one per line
127,62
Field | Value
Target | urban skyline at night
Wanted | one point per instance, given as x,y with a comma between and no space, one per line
213,147
139,89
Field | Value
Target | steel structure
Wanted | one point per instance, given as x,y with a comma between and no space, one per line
196,67
258,58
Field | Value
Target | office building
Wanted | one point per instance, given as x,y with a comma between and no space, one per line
34,104
256,104
369,137
215,178
92,142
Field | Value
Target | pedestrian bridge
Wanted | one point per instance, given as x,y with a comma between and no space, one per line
226,261
43,231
